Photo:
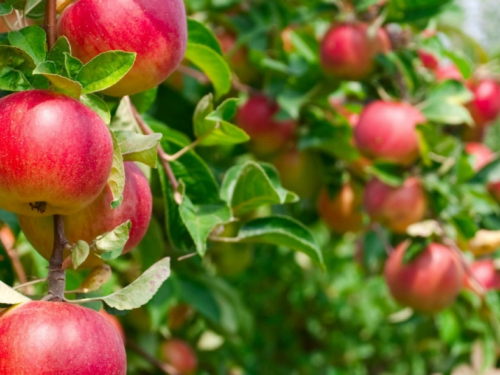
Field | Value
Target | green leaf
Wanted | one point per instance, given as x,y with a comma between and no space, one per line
116,180
5,9
9,296
417,245
59,83
144,100
110,245
389,173
79,253
451,91
251,185
282,231
446,113
57,53
72,65
104,70
138,147
32,40
213,65
461,61
201,220
198,33
139,292
13,80
16,4
16,58
98,105
35,9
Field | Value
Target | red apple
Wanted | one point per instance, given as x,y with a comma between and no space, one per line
444,72
180,355
98,218
113,320
48,338
481,153
485,272
155,29
386,131
429,283
348,52
428,59
395,207
342,213
56,154
267,134
485,106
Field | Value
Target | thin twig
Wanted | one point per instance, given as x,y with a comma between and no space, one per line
165,367
224,239
196,142
29,283
50,22
187,256
57,275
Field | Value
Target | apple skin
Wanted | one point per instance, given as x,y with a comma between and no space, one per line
342,213
180,355
481,153
54,150
428,59
386,131
395,207
155,29
268,136
98,218
485,106
113,320
47,338
450,71
348,53
429,283
486,273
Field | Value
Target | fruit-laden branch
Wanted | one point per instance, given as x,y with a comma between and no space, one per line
57,275
50,22
165,367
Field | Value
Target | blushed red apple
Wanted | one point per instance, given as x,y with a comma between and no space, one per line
348,52
428,59
386,131
485,106
450,71
395,207
113,320
98,218
485,273
180,355
48,338
56,154
481,153
155,29
268,135
429,283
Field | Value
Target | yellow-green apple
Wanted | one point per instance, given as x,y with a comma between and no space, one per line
348,52
180,355
98,218
154,29
395,207
342,212
428,283
386,131
56,154
268,135
60,338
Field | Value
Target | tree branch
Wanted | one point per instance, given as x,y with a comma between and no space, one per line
50,22
57,275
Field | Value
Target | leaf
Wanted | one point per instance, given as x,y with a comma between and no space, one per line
116,179
417,245
282,231
57,53
59,83
389,173
251,185
72,65
144,100
110,245
201,220
138,147
98,105
198,33
140,291
13,80
14,57
104,70
213,65
32,40
79,253
35,9
451,91
5,9
97,277
9,296
446,113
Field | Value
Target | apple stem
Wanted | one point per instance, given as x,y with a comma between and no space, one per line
50,22
57,275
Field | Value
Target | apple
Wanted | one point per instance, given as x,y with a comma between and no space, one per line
180,355
268,135
154,29
348,52
428,59
429,283
450,71
300,172
60,338
386,131
342,212
98,218
56,154
481,153
485,106
113,320
395,207
485,273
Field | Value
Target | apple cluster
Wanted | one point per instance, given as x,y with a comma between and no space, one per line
57,156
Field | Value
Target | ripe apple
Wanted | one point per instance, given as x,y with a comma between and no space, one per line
155,29
180,355
428,59
395,207
485,272
485,106
450,71
60,338
98,218
300,172
348,52
268,135
429,283
386,131
56,154
113,320
342,213
481,153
